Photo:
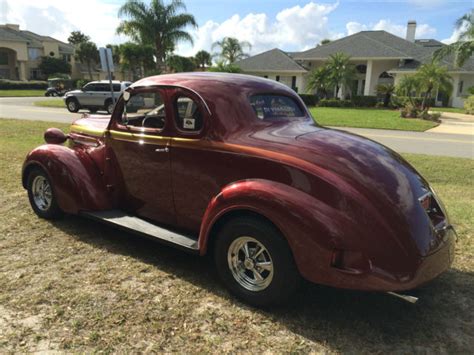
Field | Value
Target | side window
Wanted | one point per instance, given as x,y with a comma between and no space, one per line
188,116
90,87
103,87
275,107
145,109
116,87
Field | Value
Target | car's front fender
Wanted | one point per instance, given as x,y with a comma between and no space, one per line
76,178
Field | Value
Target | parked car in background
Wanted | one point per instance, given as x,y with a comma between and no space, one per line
58,87
95,96
234,165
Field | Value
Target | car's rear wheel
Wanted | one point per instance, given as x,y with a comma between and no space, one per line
72,105
255,262
109,106
41,195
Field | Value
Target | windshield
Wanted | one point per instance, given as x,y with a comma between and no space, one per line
275,107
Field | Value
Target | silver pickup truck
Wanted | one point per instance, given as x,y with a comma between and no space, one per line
95,96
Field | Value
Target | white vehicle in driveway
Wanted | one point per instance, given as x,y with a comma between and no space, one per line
95,96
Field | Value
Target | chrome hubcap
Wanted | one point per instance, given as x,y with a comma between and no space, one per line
72,105
250,263
42,194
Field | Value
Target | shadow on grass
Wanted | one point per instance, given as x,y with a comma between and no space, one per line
343,320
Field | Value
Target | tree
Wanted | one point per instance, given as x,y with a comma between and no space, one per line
77,37
463,49
158,24
231,49
431,78
325,41
136,59
221,66
203,59
385,90
342,73
87,53
51,65
320,81
179,64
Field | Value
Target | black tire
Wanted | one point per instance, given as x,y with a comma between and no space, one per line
92,110
55,94
285,278
52,210
46,94
72,105
109,106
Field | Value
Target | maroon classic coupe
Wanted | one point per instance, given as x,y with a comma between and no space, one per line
234,165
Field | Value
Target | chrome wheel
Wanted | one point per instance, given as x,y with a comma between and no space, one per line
42,194
110,108
250,263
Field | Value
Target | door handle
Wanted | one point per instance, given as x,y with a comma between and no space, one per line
162,150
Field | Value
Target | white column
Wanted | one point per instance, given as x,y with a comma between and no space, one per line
22,70
368,78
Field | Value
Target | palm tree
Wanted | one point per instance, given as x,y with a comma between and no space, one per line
464,47
342,72
385,90
320,81
158,24
203,59
223,67
408,85
87,53
432,77
231,49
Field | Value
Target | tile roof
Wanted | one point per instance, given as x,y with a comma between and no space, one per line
274,60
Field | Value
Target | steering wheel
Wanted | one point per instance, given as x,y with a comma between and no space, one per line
158,118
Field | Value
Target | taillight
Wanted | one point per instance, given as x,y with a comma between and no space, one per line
432,208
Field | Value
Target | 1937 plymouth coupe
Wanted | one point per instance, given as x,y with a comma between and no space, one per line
234,165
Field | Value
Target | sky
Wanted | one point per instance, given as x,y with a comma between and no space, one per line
266,24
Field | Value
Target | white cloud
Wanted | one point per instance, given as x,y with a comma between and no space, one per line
422,30
427,3
57,18
292,29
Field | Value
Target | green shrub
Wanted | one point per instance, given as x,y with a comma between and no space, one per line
402,101
469,105
335,103
309,99
364,101
22,85
80,83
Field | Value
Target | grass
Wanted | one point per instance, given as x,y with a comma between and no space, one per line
58,103
448,109
78,286
21,93
368,118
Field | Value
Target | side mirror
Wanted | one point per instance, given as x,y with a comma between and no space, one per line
55,136
126,96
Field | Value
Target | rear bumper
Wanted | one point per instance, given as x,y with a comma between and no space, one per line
377,279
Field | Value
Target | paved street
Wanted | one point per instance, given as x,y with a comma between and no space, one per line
432,143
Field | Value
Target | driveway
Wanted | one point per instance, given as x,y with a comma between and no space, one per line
458,142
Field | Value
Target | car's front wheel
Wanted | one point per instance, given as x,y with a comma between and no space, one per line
72,105
255,262
41,195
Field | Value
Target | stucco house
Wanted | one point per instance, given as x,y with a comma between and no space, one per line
20,52
379,56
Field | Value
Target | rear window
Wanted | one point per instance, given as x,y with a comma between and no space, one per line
275,107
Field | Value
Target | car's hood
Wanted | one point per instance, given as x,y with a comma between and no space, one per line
72,92
383,179
91,125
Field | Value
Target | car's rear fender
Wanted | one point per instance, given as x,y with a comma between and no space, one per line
76,179
311,227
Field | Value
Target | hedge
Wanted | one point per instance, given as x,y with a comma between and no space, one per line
309,100
23,85
364,101
335,103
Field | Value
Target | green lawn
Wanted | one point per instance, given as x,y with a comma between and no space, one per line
368,118
58,103
448,109
76,286
21,93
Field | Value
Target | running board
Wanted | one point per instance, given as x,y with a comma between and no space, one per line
137,225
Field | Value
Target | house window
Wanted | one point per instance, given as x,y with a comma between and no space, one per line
361,68
3,58
35,74
461,85
67,58
33,53
278,78
293,82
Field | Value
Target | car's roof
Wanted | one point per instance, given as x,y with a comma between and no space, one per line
106,82
226,81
